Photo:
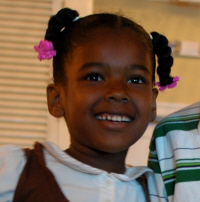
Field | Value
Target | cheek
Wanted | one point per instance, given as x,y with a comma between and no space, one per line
80,102
145,104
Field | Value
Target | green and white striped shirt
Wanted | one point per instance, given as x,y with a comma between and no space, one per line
175,154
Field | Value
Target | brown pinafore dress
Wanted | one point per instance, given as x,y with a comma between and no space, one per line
38,184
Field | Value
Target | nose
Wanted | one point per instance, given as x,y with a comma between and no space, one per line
117,92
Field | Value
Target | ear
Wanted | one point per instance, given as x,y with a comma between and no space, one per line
154,108
53,101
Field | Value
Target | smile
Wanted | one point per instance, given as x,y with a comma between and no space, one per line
114,118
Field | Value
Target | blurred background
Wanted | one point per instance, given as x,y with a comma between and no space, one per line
24,118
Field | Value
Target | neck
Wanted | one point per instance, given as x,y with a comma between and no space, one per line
110,162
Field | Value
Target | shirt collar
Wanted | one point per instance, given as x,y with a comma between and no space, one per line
130,174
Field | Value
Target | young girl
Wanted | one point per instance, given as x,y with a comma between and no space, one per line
104,73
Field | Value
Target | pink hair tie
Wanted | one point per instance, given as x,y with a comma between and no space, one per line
45,50
172,85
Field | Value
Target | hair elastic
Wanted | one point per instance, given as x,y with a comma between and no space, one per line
45,50
151,37
76,18
171,85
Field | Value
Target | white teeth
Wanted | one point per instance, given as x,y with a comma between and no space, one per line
104,117
119,118
99,117
109,118
115,118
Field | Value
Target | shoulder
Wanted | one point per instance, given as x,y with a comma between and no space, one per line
10,154
12,161
191,111
185,119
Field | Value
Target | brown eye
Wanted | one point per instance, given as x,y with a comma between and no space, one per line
94,77
136,80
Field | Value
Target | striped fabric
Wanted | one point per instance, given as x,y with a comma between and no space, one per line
175,154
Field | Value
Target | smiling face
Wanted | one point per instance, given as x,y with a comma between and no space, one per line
107,98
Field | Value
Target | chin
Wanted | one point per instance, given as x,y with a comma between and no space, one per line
112,150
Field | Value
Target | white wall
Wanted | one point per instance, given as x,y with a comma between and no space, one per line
83,7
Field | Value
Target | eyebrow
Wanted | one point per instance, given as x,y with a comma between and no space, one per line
93,64
103,65
140,67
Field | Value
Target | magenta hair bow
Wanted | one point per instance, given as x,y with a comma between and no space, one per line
172,85
45,50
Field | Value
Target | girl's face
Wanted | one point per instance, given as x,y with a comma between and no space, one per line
108,99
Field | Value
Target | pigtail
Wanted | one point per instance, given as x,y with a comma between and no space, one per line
58,23
164,58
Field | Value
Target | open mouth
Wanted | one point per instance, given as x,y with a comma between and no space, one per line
113,118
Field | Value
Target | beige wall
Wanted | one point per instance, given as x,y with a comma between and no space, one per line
176,22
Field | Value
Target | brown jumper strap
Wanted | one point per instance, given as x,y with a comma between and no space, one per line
37,183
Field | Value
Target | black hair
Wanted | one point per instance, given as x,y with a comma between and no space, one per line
65,33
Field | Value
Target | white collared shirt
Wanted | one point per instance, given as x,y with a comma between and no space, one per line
78,181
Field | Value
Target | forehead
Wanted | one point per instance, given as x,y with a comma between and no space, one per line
116,47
